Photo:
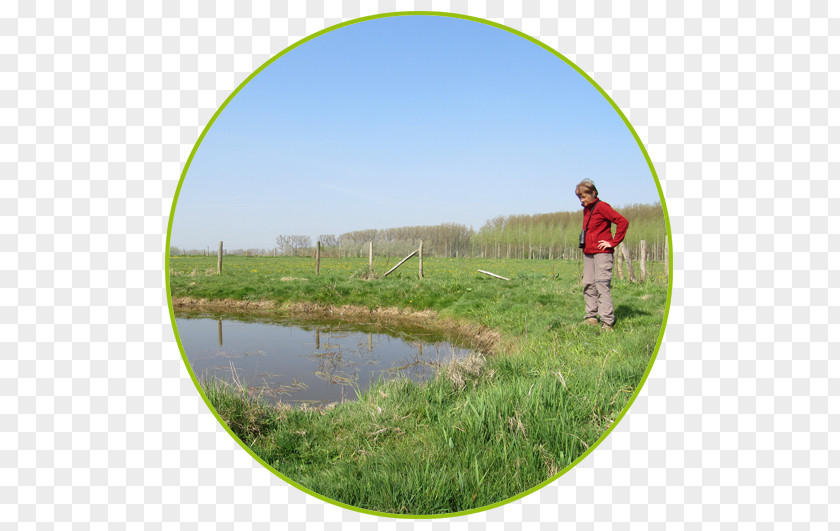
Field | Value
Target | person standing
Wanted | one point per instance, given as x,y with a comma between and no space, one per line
598,244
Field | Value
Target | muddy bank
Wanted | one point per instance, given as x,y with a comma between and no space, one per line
482,338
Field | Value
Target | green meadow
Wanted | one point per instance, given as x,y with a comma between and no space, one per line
486,428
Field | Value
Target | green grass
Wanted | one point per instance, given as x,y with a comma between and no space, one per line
487,428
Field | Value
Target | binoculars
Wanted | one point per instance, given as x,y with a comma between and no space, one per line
582,242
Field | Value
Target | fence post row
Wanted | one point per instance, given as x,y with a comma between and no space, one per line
622,256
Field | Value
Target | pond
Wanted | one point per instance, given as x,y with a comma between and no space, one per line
312,362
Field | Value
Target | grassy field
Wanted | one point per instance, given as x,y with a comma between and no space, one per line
488,428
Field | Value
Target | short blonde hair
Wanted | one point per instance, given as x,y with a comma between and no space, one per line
586,185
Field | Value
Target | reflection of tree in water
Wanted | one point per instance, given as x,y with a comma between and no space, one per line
424,363
266,385
261,388
334,366
344,356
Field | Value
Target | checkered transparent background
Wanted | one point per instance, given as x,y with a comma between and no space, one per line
101,104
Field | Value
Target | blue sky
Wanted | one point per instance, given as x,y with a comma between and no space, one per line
408,120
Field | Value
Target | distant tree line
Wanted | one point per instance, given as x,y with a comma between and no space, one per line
292,245
207,251
447,239
535,236
555,235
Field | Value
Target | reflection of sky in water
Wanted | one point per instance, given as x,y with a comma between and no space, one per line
296,362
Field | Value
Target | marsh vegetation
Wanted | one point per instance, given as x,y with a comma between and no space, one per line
540,389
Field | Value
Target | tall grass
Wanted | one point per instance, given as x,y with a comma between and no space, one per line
486,428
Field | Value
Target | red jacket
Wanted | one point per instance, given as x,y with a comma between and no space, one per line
602,216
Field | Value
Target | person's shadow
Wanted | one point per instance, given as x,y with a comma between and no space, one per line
626,311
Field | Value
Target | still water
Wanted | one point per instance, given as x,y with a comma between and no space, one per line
313,362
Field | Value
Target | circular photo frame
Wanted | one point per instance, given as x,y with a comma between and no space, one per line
392,275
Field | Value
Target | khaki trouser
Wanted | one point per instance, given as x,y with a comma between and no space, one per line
597,277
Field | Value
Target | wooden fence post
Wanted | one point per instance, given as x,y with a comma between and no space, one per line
370,258
401,263
318,258
492,274
627,259
642,260
421,258
619,263
219,262
666,261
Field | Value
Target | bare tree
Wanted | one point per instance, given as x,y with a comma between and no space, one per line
300,242
290,244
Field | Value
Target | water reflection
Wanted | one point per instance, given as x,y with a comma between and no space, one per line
315,363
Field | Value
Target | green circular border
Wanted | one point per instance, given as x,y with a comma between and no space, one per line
623,118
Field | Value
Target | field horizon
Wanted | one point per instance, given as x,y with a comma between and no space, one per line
542,236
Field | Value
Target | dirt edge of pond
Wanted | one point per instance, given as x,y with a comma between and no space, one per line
483,338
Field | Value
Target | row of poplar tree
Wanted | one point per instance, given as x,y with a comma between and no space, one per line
535,236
